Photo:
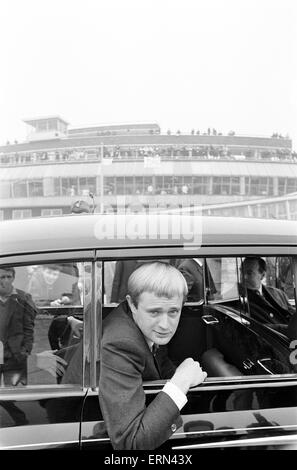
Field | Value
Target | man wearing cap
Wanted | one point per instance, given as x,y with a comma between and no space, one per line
80,207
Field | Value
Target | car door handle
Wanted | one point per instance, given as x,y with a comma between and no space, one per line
261,363
209,319
248,363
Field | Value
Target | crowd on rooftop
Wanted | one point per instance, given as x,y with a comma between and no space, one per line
117,153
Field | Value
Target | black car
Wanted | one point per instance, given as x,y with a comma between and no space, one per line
75,269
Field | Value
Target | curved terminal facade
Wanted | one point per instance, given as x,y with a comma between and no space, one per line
136,166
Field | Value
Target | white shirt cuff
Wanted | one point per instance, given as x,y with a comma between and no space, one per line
175,394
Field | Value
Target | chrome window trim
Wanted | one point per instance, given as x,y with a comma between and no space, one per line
8,394
229,387
210,384
103,439
211,251
93,323
48,257
226,431
239,383
243,442
39,444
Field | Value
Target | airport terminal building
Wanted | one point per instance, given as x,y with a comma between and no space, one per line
135,165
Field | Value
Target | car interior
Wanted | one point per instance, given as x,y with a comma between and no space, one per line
216,330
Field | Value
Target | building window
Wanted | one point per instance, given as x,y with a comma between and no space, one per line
51,212
272,211
1,214
259,186
120,188
148,184
52,124
170,183
293,209
87,185
291,185
160,189
139,187
201,184
5,189
41,126
57,187
235,185
109,185
187,187
282,186
129,186
35,188
221,185
20,189
70,186
21,213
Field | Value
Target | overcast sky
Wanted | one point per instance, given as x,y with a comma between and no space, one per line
227,64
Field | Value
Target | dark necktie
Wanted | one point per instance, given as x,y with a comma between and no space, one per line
154,349
154,352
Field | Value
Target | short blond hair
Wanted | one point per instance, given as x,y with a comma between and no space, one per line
159,278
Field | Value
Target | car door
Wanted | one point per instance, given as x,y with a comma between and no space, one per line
250,395
240,408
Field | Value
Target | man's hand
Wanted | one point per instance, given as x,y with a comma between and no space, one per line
56,303
59,302
53,364
188,374
76,326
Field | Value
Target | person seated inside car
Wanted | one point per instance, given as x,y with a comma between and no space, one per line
135,335
267,304
53,285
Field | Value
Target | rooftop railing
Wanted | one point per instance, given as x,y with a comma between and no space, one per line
133,154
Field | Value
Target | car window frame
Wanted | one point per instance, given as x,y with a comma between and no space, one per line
203,252
96,255
54,390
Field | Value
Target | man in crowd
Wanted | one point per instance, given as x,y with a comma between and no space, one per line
192,270
80,207
55,285
268,304
135,335
17,316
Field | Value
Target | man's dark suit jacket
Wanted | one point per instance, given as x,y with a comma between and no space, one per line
292,327
193,274
273,306
20,329
123,270
126,361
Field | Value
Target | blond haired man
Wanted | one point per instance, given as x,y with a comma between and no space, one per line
135,335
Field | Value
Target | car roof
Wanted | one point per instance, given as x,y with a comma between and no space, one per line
109,231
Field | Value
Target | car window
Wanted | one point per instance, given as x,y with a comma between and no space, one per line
116,274
280,274
45,317
223,272
219,327
276,277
